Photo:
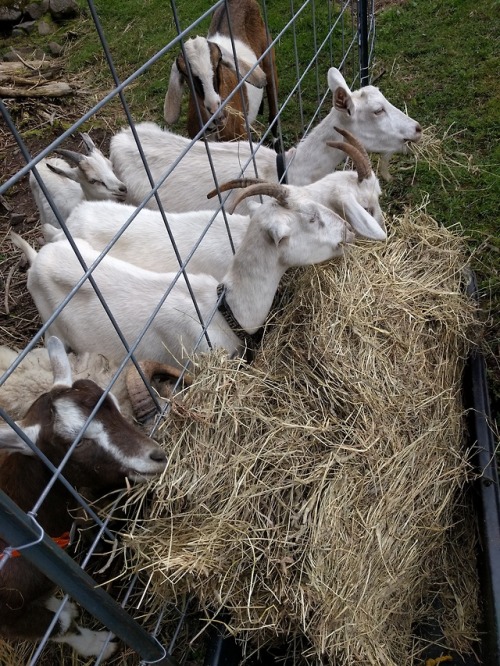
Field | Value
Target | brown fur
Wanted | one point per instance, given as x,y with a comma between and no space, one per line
23,589
247,25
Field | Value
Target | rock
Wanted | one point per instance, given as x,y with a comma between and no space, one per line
26,28
55,48
16,218
26,53
63,9
33,11
10,14
44,28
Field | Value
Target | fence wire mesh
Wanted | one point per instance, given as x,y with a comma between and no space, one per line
308,38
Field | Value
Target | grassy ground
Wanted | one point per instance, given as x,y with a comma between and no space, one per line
443,59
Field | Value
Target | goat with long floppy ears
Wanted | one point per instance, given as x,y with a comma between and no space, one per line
211,66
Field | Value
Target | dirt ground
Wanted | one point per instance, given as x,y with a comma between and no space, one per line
40,123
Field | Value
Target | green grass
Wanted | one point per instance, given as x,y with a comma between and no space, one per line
443,60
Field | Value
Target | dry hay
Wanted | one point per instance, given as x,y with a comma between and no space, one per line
312,493
441,154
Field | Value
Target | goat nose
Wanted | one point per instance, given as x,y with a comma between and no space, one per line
158,455
123,188
418,128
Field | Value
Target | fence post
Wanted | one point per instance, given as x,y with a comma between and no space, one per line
363,42
52,561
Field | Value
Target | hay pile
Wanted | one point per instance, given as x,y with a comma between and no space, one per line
310,494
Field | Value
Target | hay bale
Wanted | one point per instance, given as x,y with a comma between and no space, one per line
311,494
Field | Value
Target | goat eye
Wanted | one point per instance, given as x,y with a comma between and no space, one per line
378,112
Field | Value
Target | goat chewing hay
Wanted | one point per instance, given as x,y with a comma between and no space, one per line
440,154
316,494
312,494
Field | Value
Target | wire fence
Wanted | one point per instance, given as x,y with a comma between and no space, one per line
345,40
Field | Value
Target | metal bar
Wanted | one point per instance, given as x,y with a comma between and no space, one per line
53,562
364,51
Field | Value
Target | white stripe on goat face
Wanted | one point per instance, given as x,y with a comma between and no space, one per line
198,54
69,421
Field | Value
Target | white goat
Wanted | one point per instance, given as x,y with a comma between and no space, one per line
379,126
33,376
213,71
351,194
112,451
277,238
91,178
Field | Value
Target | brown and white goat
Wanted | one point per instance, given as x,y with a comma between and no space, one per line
110,451
214,74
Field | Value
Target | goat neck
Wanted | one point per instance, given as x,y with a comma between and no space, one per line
253,278
311,161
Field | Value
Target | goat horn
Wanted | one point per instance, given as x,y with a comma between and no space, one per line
76,158
361,163
353,140
275,190
142,402
232,184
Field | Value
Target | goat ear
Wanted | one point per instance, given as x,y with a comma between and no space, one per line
172,105
64,172
278,231
362,222
336,80
11,442
61,369
342,101
88,143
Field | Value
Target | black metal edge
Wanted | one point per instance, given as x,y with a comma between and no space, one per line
486,496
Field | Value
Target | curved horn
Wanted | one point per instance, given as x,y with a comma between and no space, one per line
142,402
354,141
231,184
361,164
275,190
76,158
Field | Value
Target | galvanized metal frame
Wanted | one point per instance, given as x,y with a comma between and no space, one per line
20,529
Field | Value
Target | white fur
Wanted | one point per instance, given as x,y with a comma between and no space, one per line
378,125
89,643
146,243
275,240
33,376
74,184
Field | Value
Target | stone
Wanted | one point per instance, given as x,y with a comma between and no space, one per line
33,11
63,9
44,28
16,218
26,53
10,14
25,27
55,48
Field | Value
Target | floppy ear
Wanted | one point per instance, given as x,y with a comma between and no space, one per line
11,442
66,172
257,78
172,105
362,222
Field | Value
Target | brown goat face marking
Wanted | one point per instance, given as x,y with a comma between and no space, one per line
111,449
